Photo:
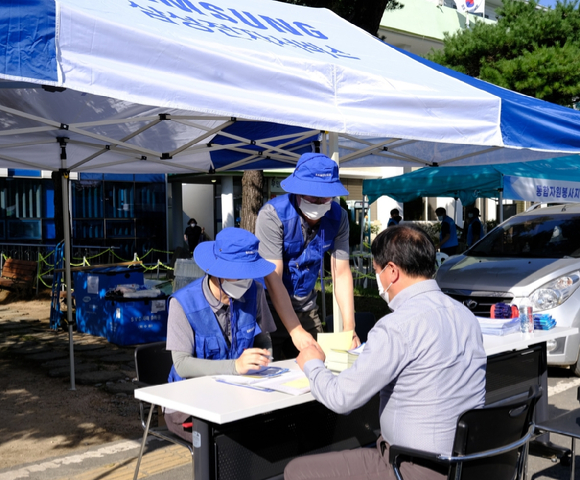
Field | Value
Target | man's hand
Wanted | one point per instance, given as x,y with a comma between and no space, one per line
252,359
355,341
310,353
301,338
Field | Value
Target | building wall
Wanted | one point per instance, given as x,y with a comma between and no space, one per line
123,211
198,203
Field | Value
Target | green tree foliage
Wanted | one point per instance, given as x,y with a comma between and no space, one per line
530,50
366,14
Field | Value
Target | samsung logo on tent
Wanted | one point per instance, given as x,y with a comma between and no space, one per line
250,252
323,174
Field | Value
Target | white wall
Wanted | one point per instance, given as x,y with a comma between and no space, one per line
385,204
198,203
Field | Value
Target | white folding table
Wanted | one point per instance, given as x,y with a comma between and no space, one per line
227,417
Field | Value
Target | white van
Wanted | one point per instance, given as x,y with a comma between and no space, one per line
534,255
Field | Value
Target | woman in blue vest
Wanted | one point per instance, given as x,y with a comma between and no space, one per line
295,231
220,324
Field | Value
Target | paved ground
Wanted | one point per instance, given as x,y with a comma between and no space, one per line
109,368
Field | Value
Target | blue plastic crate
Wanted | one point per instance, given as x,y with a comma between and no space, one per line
90,287
131,321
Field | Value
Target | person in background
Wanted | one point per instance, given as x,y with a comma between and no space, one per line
221,323
448,241
426,359
395,218
192,234
475,228
295,232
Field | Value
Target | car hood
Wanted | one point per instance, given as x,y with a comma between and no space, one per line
502,274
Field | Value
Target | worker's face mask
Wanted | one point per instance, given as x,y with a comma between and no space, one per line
470,215
313,211
440,219
237,288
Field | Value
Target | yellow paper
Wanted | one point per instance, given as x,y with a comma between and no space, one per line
299,383
335,341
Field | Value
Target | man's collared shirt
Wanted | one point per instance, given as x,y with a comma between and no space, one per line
428,362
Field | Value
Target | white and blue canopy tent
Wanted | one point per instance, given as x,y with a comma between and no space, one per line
178,86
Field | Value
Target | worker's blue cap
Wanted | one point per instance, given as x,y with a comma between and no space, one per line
315,175
233,254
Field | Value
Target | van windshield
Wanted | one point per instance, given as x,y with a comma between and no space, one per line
532,236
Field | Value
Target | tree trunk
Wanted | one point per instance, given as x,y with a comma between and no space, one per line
252,197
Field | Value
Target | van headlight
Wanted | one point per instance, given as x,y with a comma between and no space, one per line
556,292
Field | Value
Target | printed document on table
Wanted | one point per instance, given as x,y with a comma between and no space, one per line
292,382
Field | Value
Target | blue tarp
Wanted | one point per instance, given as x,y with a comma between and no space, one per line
469,183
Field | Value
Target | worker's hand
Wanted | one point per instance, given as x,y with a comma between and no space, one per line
355,340
252,359
310,352
301,338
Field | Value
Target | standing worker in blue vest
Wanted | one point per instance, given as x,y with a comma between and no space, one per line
220,324
475,228
295,231
448,236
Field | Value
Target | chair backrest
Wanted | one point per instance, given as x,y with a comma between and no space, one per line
152,363
364,322
484,429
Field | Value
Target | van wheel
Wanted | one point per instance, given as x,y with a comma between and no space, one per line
576,367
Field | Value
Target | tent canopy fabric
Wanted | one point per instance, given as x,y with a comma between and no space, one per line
543,180
184,86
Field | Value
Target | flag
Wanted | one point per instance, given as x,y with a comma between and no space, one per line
470,6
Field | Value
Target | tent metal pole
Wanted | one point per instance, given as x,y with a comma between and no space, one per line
336,313
67,259
500,190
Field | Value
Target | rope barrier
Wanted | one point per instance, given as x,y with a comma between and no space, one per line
357,275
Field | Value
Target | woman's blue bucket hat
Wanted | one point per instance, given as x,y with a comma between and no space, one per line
315,175
233,254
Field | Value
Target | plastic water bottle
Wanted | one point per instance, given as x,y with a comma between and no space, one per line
526,316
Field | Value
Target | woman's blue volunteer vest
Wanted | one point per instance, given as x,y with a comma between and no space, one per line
210,342
470,232
452,242
302,265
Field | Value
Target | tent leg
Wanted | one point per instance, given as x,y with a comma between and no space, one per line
67,258
500,205
336,313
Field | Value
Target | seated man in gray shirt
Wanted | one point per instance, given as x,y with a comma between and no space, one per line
426,359
220,323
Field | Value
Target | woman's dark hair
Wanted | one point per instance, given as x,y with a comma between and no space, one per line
192,220
408,247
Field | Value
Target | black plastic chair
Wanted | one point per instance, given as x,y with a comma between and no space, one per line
152,364
568,425
364,321
490,443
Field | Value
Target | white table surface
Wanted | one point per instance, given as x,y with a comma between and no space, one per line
517,341
215,402
206,399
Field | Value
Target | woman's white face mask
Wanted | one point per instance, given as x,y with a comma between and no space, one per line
236,289
313,211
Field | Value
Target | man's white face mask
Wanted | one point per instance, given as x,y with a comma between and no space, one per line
384,294
313,211
237,288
